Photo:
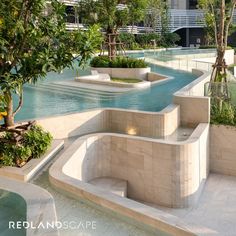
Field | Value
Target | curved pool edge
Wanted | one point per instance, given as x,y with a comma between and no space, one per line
40,206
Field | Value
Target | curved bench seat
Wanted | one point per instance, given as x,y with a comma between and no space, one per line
113,185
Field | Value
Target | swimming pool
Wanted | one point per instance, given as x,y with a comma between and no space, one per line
45,103
12,209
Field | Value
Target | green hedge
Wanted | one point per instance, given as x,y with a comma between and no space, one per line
119,62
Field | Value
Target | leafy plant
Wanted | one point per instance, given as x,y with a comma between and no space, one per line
145,39
169,39
38,140
100,61
34,144
224,114
33,42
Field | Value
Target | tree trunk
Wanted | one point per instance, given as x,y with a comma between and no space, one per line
9,118
220,63
112,46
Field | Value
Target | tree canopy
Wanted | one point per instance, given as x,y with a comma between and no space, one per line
112,14
34,41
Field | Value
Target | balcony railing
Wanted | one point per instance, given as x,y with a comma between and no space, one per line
186,19
178,19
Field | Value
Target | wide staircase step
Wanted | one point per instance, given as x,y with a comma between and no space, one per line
113,185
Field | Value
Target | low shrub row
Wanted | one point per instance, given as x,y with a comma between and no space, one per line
119,62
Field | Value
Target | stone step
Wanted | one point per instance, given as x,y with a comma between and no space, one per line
113,185
77,93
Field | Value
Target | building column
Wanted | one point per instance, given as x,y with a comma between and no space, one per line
187,37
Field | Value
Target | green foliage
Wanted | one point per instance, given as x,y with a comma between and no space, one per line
207,47
34,144
37,140
128,39
104,12
126,80
145,39
109,16
225,113
34,41
119,62
2,103
100,61
136,10
169,39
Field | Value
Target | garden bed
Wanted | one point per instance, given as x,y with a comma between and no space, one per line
32,167
128,80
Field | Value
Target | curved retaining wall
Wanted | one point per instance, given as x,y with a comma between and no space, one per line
160,172
147,124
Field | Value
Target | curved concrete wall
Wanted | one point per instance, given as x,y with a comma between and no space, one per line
149,124
159,172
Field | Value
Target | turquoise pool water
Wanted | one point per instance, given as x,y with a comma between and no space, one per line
40,103
12,208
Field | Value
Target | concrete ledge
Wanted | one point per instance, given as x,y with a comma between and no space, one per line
142,84
40,205
156,77
113,185
194,106
223,149
33,166
149,124
136,73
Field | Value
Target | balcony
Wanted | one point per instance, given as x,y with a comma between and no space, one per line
186,19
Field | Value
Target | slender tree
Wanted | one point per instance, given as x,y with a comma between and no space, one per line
153,14
34,41
111,15
137,9
219,16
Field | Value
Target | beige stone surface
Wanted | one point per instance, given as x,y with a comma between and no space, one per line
194,107
147,215
138,73
173,173
147,124
113,185
156,77
223,149
215,212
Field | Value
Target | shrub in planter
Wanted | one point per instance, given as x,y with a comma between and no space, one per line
119,62
226,114
34,144
100,61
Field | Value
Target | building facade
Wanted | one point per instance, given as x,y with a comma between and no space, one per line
185,19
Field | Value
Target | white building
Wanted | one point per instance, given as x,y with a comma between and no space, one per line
185,19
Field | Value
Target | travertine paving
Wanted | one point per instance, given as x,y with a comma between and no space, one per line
215,213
